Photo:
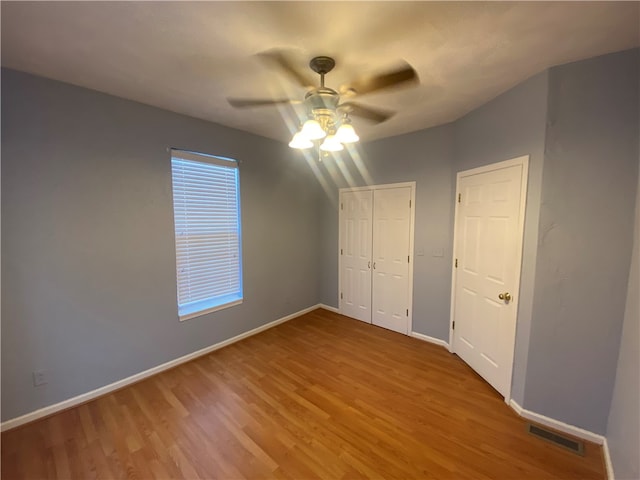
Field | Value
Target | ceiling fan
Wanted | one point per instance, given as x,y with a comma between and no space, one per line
328,115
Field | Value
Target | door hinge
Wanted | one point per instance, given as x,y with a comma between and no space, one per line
340,251
342,206
340,295
409,203
454,325
407,312
456,263
408,261
459,197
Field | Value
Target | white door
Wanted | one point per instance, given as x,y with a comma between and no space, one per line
355,230
391,243
488,250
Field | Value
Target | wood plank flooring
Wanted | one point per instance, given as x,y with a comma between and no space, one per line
321,396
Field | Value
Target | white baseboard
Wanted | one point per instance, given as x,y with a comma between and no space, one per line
607,460
85,397
557,424
429,339
329,307
516,406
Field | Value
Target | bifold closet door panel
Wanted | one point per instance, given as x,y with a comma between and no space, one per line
356,243
391,242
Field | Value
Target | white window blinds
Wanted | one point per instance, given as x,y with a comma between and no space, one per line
206,206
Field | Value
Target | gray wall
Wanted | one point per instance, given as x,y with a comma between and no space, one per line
424,157
88,260
510,126
586,230
623,428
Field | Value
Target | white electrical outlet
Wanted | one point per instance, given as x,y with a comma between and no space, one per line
39,378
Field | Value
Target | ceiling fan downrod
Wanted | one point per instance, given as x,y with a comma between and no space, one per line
322,65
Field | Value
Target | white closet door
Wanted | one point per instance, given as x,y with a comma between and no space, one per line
488,249
391,242
355,245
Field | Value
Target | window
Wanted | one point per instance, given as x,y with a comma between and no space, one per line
206,209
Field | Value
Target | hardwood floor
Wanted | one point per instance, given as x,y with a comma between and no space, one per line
321,396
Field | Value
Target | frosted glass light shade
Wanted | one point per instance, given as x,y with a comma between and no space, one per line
312,130
346,134
331,144
300,141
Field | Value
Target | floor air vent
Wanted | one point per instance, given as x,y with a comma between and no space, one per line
570,444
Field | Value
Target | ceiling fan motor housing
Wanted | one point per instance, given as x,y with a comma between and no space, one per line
323,103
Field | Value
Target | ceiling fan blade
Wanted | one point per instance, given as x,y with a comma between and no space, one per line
372,83
288,66
257,102
368,113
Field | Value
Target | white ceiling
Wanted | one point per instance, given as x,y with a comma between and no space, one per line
188,57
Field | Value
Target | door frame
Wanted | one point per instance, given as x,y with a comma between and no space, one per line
524,180
412,221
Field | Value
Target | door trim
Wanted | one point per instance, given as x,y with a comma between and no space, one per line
412,221
524,162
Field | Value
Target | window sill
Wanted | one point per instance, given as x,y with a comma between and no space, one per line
186,313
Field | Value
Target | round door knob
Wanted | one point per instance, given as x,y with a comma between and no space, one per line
501,296
504,296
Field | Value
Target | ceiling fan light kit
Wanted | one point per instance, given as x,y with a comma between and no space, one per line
300,141
328,119
347,134
312,130
331,144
